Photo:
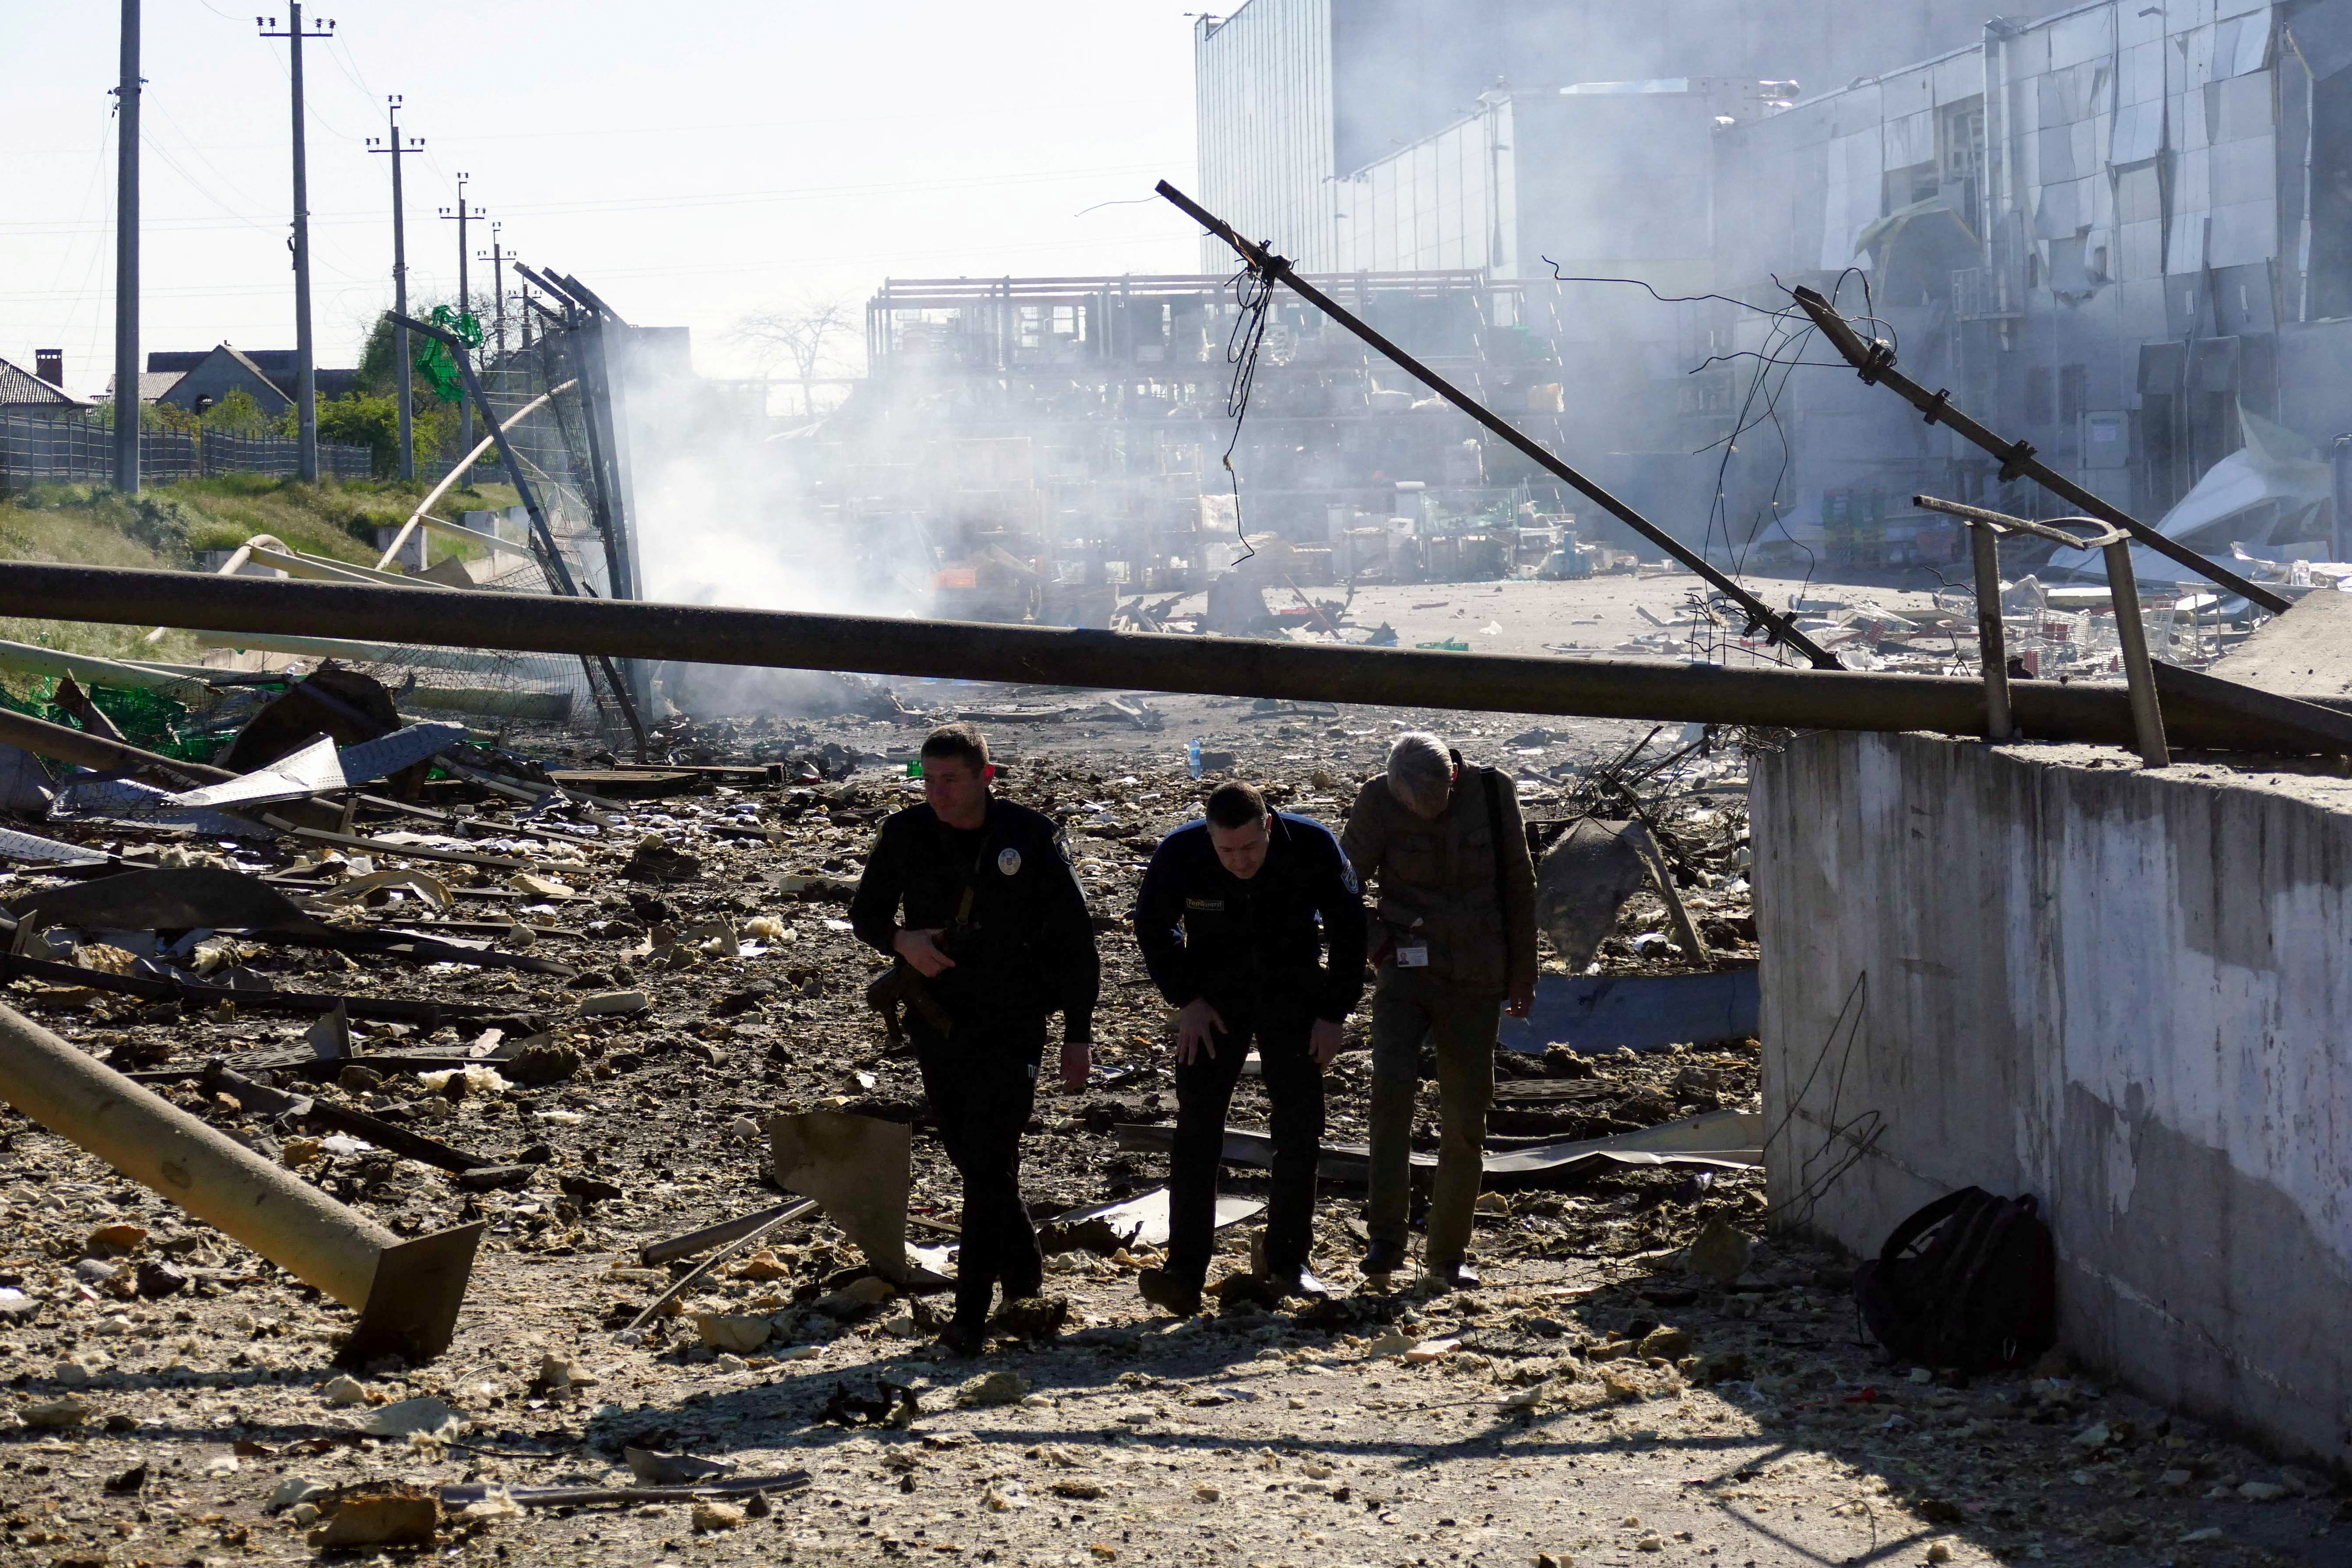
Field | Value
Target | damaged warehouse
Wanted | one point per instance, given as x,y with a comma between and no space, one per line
530,1033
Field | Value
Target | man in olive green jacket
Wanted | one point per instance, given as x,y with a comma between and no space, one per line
1452,943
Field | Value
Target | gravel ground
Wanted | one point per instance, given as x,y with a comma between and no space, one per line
1607,1396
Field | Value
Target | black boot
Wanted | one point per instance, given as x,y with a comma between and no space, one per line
1178,1297
1384,1257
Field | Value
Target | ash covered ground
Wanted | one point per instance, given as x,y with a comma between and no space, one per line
1609,1395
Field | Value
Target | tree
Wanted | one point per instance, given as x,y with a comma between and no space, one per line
804,337
361,419
239,415
371,415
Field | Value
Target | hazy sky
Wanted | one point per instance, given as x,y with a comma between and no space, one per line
689,164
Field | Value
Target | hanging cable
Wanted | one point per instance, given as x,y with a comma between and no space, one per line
1252,293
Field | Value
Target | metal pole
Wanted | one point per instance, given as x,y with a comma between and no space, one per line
1274,267
1236,667
499,288
2147,716
464,309
1989,631
2123,592
1875,362
306,373
407,1293
1991,652
127,407
556,569
394,145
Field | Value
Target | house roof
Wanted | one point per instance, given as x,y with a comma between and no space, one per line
152,383
275,366
20,387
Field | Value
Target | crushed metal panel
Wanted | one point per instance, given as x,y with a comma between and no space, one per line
1716,1138
401,749
298,775
1139,1221
130,803
1601,1013
16,845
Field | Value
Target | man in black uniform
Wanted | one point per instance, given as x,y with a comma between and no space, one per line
996,927
1234,915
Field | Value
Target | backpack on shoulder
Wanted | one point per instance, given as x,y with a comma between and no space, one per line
1970,1281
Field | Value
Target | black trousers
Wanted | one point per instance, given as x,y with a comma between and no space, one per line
982,1083
1204,1087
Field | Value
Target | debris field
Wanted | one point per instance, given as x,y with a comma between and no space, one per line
641,964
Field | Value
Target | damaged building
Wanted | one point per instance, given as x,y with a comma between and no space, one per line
2114,230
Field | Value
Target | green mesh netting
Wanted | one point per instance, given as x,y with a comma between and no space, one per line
148,719
433,359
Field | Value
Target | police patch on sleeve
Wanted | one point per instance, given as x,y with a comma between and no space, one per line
1008,861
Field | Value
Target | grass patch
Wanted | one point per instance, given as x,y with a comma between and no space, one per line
335,521
165,526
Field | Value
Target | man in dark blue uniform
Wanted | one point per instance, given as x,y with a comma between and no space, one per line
997,930
1235,917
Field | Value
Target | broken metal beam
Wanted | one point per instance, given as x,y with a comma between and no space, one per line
1874,361
407,1293
1266,264
425,1014
1123,661
2290,718
694,1241
264,1100
63,743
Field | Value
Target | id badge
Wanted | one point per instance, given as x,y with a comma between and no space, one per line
1415,957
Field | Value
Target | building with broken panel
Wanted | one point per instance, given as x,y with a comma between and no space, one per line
2133,258
1043,446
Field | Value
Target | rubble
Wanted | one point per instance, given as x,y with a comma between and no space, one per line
1638,1322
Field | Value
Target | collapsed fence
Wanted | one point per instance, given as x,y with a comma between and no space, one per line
65,447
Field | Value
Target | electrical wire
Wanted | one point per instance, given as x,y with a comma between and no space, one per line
1790,330
1252,293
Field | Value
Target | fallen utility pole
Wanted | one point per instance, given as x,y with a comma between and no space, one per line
407,1293
1119,661
1874,361
1268,265
62,742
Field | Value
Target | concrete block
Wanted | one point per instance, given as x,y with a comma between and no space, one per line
2038,969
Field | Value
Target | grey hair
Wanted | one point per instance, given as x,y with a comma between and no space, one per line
1420,770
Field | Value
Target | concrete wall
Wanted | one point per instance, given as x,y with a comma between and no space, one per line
2123,991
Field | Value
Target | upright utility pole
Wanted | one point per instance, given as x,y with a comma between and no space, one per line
391,142
465,304
126,259
306,370
498,258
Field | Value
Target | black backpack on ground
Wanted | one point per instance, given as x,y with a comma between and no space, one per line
1970,1281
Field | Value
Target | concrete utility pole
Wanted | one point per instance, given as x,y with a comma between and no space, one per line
126,259
391,142
498,258
306,369
465,304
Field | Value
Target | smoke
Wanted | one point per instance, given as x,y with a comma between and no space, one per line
725,508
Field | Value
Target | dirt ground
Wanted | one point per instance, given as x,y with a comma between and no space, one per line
1598,1401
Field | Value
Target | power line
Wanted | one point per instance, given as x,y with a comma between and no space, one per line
722,199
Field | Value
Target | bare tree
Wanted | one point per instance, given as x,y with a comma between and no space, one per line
805,337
